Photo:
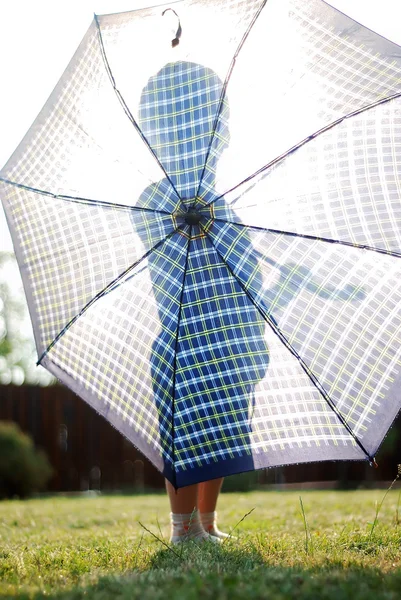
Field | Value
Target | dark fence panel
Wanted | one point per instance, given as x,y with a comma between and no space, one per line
88,453
84,449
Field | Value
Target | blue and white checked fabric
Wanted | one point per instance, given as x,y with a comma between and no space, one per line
209,237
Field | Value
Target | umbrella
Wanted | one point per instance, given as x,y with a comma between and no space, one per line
206,215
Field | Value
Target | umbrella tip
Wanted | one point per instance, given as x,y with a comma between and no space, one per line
373,463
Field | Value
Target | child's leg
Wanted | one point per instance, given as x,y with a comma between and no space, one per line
208,492
183,500
185,521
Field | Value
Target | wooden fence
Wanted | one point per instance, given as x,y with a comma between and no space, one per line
85,450
88,453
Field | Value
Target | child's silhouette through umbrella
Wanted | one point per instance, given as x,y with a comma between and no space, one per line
211,351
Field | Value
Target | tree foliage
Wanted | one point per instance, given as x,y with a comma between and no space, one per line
17,348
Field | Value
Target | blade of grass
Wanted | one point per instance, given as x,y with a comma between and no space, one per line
158,527
397,510
380,504
160,540
308,537
137,551
239,522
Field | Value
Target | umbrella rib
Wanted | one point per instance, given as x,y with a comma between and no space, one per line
306,140
127,110
224,88
275,328
313,237
84,201
176,343
109,288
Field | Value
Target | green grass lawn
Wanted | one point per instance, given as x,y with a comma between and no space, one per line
95,548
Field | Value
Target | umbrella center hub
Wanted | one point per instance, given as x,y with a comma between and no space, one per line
192,216
194,221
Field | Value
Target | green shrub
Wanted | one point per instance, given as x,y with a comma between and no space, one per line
23,468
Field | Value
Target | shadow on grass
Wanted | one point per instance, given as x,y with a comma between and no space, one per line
226,572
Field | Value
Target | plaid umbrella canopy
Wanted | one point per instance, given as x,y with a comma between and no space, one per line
209,232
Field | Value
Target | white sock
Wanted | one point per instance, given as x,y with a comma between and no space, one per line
209,522
188,527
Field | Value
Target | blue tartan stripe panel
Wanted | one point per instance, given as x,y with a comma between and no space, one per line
121,350
177,112
81,143
344,185
239,392
69,252
159,196
339,309
318,65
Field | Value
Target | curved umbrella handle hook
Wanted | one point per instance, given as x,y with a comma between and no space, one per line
178,33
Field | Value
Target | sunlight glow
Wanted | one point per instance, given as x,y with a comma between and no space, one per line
40,38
